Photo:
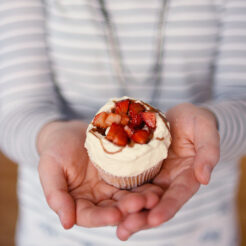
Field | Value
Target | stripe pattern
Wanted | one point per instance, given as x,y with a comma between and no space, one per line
56,63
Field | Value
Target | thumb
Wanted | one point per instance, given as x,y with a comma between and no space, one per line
205,160
207,146
56,193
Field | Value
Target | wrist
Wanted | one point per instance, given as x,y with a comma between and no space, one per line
45,131
48,130
212,115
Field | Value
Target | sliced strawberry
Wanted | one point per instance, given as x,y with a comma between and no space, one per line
136,120
112,118
135,108
113,130
124,119
99,120
117,135
134,112
121,139
122,106
129,130
140,136
150,119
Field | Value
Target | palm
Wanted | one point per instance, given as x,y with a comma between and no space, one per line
74,190
177,177
94,199
177,183
91,187
194,152
72,183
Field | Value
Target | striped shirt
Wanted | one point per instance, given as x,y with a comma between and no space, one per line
56,62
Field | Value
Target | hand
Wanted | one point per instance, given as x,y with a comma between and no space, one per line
193,154
72,186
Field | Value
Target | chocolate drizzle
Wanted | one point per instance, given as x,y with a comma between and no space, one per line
93,131
100,130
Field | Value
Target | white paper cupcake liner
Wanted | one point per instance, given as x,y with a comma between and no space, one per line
121,182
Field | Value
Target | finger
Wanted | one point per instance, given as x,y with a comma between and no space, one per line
151,192
206,159
181,190
91,215
56,191
106,203
132,224
131,203
145,196
207,144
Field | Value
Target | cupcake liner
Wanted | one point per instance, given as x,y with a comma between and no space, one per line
121,182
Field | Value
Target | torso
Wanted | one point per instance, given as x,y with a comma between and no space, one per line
82,61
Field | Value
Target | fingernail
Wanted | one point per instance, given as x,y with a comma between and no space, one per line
207,169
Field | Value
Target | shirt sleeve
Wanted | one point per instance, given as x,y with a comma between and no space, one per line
229,104
28,97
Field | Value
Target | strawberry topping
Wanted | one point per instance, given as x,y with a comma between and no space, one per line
129,130
117,135
149,119
99,120
122,106
135,108
124,119
141,136
112,118
129,122
136,120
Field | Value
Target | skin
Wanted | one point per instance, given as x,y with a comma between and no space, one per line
76,193
72,186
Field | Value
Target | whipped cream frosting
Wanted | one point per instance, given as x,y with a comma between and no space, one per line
127,161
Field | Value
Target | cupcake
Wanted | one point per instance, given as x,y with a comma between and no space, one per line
127,142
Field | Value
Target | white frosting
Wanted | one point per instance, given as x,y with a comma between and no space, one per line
131,161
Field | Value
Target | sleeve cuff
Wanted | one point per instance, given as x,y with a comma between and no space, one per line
230,126
19,131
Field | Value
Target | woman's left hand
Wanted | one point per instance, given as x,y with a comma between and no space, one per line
192,156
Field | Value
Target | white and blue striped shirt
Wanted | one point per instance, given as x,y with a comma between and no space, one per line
56,63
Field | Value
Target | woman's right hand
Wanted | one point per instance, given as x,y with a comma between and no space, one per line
72,186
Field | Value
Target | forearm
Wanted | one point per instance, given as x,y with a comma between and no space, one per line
28,97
